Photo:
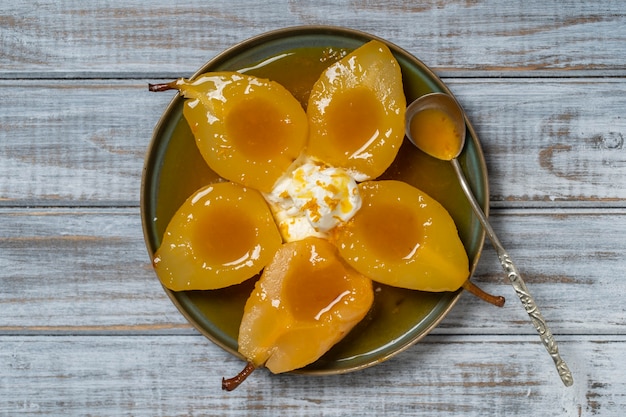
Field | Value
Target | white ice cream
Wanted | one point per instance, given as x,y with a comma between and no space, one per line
312,199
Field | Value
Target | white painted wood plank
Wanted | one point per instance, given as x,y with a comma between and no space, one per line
550,141
180,375
72,143
83,142
118,37
68,270
74,270
572,263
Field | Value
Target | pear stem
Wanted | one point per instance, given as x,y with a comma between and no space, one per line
232,383
496,300
162,87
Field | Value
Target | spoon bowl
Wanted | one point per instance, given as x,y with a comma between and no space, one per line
435,123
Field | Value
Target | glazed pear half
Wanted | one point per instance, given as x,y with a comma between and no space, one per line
306,301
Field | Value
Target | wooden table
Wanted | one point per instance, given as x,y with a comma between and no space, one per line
85,329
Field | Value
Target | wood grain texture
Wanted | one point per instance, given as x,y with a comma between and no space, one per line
75,143
180,375
73,270
61,38
83,142
550,140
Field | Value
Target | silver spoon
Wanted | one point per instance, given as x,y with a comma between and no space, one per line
449,149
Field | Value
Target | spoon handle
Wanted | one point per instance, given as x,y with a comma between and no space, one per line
518,283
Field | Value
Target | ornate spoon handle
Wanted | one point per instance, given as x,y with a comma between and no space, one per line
518,283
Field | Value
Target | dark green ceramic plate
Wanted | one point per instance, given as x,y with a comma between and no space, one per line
174,170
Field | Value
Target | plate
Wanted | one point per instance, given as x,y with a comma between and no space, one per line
174,169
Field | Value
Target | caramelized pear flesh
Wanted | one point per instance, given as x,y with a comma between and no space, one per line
248,130
404,238
222,235
356,112
305,302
